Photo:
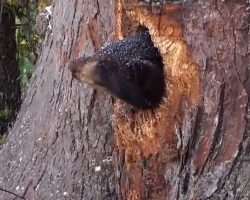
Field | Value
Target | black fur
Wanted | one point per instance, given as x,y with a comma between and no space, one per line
131,69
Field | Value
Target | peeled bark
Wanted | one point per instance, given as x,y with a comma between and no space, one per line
193,146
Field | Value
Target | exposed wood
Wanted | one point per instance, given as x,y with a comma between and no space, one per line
189,146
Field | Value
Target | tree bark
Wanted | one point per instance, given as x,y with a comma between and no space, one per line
61,144
195,145
10,91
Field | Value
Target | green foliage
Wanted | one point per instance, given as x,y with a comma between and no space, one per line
28,41
2,141
43,3
26,69
12,2
4,113
27,44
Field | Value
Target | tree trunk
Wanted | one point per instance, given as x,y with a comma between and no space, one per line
61,144
193,146
10,91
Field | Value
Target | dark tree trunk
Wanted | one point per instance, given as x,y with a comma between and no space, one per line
10,92
195,145
61,144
